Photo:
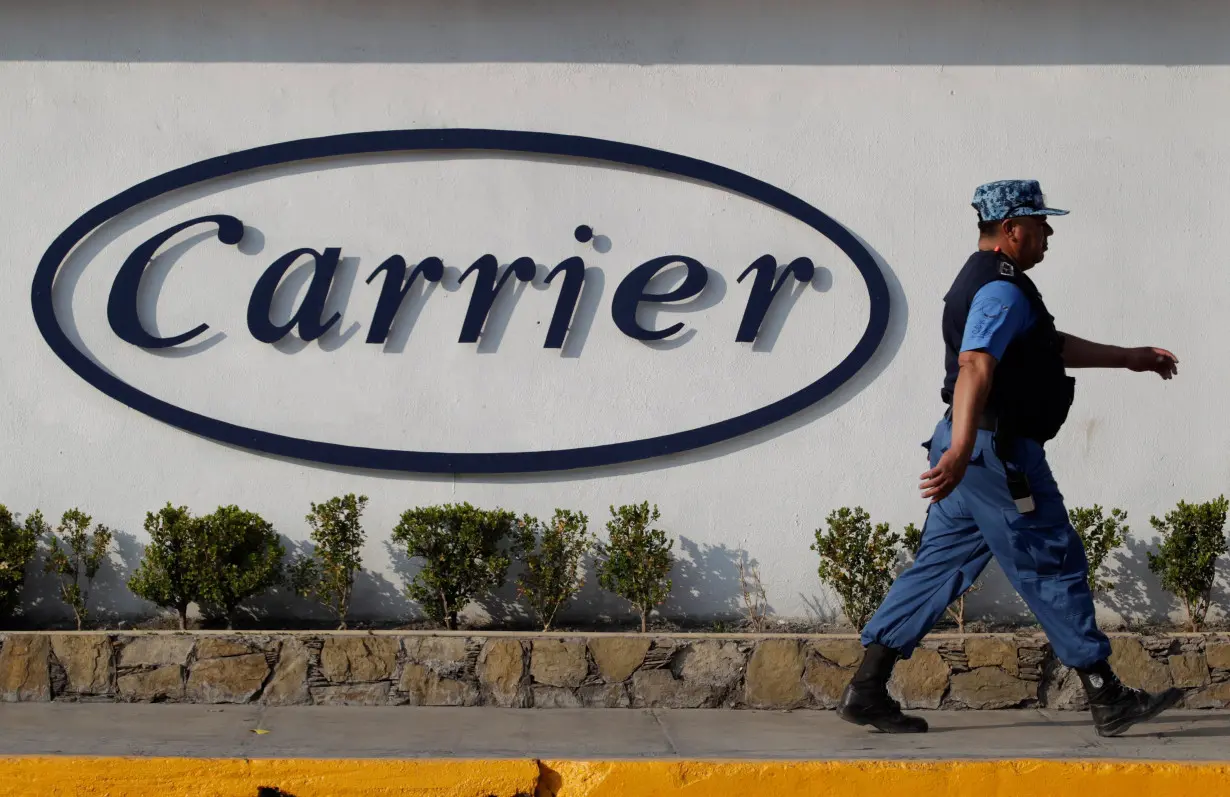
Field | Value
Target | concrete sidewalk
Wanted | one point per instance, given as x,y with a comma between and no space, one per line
56,729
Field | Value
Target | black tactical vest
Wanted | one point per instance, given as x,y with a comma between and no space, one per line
1030,391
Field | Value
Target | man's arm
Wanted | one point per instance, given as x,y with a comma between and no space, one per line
998,313
1081,353
968,401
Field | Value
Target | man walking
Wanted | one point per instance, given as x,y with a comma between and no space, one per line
991,491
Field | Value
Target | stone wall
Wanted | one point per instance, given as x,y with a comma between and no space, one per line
562,671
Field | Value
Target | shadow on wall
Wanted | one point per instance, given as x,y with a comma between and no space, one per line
823,610
705,583
375,599
1139,598
641,32
111,603
705,588
405,569
594,605
282,603
1221,592
502,608
995,602
111,600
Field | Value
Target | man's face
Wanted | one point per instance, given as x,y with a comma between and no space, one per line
1029,235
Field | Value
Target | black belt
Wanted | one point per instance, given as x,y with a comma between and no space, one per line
1018,484
987,421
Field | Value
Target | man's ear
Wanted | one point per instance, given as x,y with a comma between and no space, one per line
1011,228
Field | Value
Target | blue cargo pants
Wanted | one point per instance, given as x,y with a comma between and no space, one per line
1039,552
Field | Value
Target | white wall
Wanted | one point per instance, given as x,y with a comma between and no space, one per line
883,117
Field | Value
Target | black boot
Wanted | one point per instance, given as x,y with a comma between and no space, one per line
1116,707
866,700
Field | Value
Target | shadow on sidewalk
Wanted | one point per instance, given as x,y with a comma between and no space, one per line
1081,719
1216,730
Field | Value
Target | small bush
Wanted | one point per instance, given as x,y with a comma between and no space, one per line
328,575
175,563
75,556
755,601
244,557
1100,535
552,575
465,552
635,562
912,540
856,560
18,543
1192,540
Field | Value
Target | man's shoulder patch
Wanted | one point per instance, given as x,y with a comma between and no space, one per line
1006,269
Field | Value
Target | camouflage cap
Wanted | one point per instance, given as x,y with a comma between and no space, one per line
1006,199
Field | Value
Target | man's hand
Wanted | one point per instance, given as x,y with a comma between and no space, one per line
1147,358
941,480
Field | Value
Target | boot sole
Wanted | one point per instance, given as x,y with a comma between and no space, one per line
1173,697
882,727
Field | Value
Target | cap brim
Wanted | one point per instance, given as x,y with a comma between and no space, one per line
1037,212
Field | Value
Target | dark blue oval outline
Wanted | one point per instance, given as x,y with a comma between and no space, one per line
458,140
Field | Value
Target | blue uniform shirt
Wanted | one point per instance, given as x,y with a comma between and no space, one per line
998,314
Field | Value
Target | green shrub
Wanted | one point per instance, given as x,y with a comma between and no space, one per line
912,540
1192,540
636,561
18,543
75,556
1100,535
856,560
175,563
328,575
465,551
552,574
244,557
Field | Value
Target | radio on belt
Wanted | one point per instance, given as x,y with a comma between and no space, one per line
1018,487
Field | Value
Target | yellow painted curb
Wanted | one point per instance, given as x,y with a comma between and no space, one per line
176,777
267,777
881,778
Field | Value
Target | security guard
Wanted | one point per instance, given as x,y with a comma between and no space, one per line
991,491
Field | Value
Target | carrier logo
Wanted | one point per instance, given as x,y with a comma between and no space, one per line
396,276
